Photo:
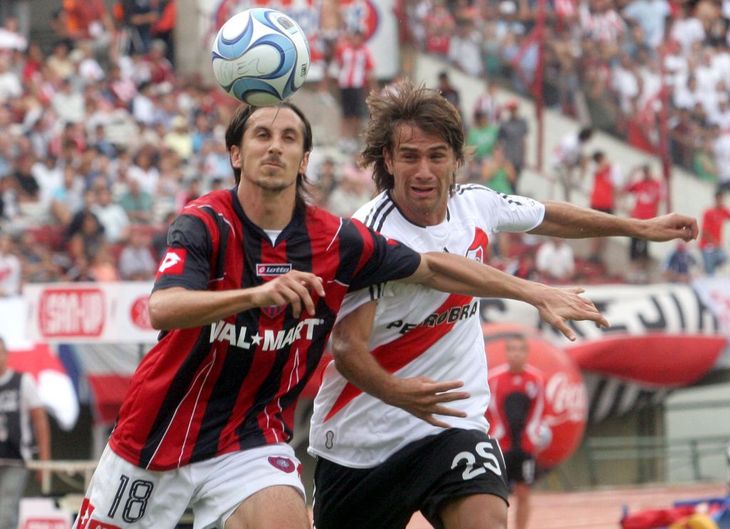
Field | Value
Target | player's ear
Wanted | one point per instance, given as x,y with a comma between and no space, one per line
388,159
235,156
304,163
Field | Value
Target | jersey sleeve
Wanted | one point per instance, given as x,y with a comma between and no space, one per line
383,259
187,261
515,213
29,391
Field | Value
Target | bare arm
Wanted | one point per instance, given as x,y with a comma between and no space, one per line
453,273
179,308
419,396
42,432
563,219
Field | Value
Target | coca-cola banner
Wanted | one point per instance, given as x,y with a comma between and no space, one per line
89,312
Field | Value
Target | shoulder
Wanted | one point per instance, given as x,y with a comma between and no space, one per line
375,213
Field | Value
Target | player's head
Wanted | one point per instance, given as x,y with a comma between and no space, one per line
517,349
301,136
406,104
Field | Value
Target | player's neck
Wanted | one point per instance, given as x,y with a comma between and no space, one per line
269,210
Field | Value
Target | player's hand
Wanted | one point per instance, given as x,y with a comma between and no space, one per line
669,227
424,398
293,288
558,305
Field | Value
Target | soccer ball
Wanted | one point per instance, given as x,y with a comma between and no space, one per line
260,56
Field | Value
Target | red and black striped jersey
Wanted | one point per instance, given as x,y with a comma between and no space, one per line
515,411
233,384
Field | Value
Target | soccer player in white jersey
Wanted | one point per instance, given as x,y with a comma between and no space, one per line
417,441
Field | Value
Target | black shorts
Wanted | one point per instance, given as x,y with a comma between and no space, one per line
353,102
639,249
419,477
520,467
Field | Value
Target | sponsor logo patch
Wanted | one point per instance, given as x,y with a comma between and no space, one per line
273,269
174,262
282,463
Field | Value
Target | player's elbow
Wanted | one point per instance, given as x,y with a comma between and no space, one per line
161,317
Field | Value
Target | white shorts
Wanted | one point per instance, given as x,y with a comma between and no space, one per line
122,495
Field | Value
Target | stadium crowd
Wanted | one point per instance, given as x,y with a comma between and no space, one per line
103,142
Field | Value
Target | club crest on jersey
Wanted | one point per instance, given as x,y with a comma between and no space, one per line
272,311
477,250
272,269
282,463
173,262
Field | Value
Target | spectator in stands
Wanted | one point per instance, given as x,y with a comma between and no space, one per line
721,150
25,183
144,169
10,85
111,215
648,192
25,430
487,102
450,93
9,208
85,236
10,37
679,264
139,16
498,173
137,202
102,266
570,162
606,179
651,16
555,260
37,259
711,235
59,62
439,27
135,260
481,136
465,48
67,199
179,139
513,136
355,79
10,268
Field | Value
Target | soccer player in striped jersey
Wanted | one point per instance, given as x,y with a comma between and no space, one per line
408,444
246,297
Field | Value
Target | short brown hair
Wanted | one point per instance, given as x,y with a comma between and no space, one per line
406,103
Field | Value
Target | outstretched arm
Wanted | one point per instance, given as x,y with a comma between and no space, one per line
453,273
180,308
563,219
419,396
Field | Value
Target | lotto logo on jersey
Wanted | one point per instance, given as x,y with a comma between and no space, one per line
282,463
268,270
173,263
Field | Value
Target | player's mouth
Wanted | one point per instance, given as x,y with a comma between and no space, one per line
422,191
273,163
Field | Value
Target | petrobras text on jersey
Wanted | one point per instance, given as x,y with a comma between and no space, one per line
449,315
268,339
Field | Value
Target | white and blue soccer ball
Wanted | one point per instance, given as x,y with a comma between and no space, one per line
260,56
